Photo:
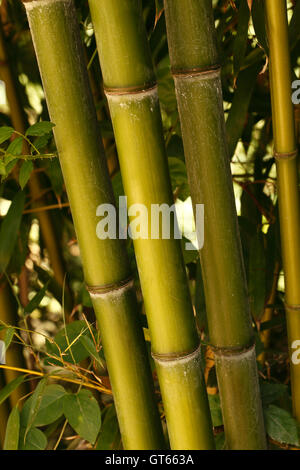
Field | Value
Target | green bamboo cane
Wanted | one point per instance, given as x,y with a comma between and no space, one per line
196,73
131,91
56,38
285,151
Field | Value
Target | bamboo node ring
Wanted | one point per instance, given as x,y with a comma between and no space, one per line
132,90
99,291
232,351
286,155
176,357
292,307
196,71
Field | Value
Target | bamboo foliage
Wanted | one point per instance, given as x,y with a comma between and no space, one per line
196,72
131,91
285,151
56,37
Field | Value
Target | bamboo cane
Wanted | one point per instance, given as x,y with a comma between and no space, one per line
56,38
19,123
132,96
196,72
285,151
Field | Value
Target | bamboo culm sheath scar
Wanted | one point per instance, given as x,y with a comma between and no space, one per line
133,101
285,151
59,51
196,72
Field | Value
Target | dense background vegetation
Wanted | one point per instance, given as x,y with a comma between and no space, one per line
46,315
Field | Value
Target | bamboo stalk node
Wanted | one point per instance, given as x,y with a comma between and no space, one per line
232,351
133,90
28,3
4,63
176,357
286,155
196,71
292,307
100,291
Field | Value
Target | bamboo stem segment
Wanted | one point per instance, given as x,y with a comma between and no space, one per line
287,173
194,62
130,87
56,38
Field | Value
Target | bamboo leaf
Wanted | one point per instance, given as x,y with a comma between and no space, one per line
259,24
40,128
15,147
9,334
83,413
215,409
9,229
5,133
281,426
110,433
11,441
35,439
42,141
270,392
294,30
35,405
89,345
10,387
74,332
25,173
50,409
240,42
239,108
257,276
36,300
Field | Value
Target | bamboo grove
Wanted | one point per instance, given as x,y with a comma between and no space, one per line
149,224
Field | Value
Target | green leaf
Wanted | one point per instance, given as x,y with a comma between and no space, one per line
2,168
35,404
35,302
89,345
241,39
109,435
83,413
259,24
281,426
10,387
5,133
9,334
272,392
9,229
77,352
40,128
239,108
179,179
257,276
55,175
42,141
11,441
50,409
25,173
220,441
35,439
294,30
15,147
215,409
